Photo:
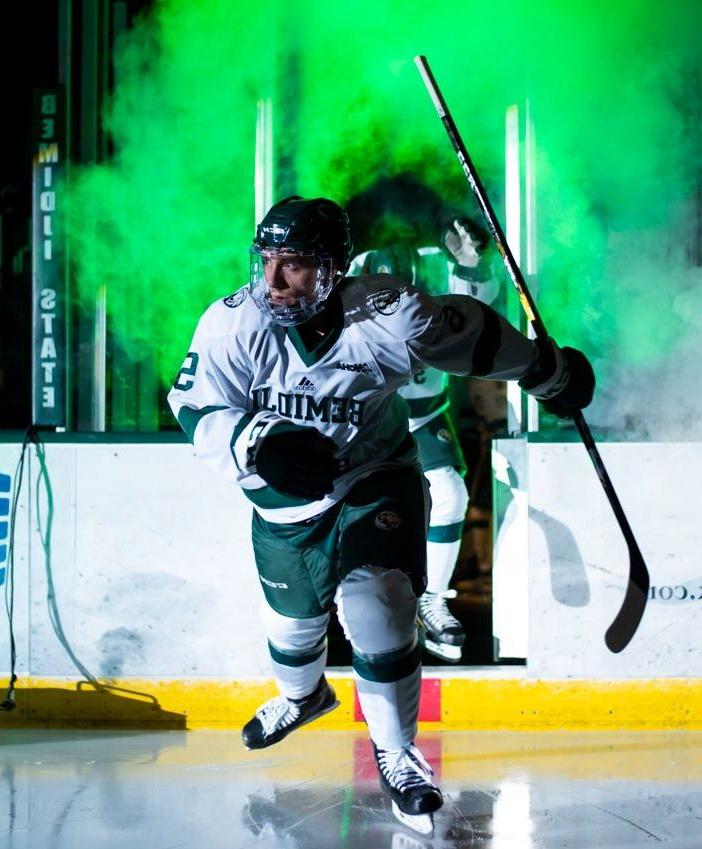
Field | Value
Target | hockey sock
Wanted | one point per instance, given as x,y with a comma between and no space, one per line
441,562
297,675
390,707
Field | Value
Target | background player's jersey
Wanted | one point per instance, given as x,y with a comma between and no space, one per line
429,271
243,375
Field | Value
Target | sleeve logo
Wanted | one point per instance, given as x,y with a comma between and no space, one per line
235,299
386,301
454,318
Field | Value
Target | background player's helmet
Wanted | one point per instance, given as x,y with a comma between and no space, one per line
317,228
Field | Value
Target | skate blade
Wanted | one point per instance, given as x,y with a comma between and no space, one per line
443,650
422,823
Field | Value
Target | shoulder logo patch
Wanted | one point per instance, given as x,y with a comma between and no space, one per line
236,298
386,301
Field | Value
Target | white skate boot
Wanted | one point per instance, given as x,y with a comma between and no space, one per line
407,778
439,632
278,717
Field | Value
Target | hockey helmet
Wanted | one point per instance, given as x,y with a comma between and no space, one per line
316,228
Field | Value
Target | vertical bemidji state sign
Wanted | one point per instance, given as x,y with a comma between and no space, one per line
48,277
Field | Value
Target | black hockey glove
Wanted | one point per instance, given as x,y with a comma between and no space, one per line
298,461
562,379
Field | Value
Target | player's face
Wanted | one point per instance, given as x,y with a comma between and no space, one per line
289,277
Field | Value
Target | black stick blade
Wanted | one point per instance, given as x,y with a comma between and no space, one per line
627,621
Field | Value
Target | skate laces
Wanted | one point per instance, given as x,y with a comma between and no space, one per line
432,607
277,713
404,768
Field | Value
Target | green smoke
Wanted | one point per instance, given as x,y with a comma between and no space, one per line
165,224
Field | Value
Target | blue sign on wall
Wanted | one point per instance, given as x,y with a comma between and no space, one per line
4,523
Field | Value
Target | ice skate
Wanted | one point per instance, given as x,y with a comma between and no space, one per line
439,632
278,717
407,778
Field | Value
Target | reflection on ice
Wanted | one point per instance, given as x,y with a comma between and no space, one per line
319,790
314,819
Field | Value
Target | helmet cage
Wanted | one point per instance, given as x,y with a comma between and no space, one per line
305,307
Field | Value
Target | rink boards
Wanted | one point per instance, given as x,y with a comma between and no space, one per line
151,588
472,700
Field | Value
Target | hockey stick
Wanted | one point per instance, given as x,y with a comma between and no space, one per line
627,620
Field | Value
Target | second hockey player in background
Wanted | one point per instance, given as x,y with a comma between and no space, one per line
460,264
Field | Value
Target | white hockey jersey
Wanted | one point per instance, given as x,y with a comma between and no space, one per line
243,374
427,393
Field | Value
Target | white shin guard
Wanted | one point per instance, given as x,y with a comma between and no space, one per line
377,610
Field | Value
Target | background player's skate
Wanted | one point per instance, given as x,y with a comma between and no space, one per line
440,633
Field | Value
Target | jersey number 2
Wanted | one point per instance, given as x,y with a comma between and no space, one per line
189,367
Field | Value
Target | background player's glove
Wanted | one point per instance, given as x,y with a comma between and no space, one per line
298,461
562,379
467,245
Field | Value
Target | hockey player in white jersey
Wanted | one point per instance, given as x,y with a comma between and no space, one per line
290,391
462,265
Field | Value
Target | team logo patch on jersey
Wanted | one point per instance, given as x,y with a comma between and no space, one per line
388,520
235,299
444,435
386,301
